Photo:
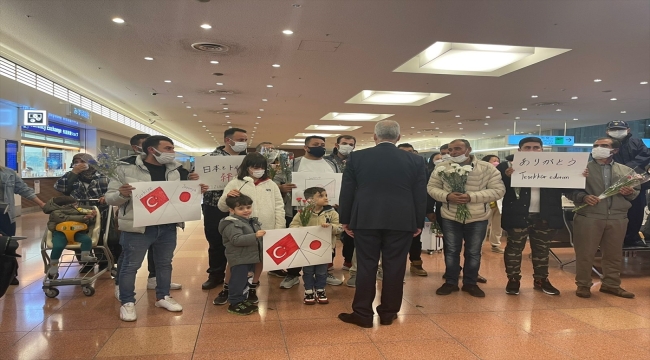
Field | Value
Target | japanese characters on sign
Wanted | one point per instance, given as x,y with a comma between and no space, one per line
549,169
217,171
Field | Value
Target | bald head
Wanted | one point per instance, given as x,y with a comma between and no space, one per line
387,130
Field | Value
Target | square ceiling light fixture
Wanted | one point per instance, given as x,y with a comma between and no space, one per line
293,144
355,116
332,128
476,59
372,97
315,134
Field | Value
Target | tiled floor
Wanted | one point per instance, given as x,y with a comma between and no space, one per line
531,325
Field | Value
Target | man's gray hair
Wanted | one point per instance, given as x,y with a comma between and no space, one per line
387,130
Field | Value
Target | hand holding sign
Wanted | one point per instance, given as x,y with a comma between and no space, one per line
166,202
549,169
295,247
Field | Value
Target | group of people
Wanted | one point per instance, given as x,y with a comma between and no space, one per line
379,219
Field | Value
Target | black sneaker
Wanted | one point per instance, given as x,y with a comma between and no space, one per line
513,287
252,293
254,307
309,299
222,298
321,298
242,308
545,286
446,289
473,290
278,273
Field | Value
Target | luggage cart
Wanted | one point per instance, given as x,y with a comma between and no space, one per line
68,270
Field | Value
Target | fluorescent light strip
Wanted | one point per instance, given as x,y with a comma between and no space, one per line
30,142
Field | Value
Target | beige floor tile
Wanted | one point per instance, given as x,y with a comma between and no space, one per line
609,318
187,356
266,354
149,316
406,327
512,347
296,310
240,336
358,351
21,320
600,345
460,325
75,344
217,314
445,348
8,339
546,321
151,340
638,337
329,332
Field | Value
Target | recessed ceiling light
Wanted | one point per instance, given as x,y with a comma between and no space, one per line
194,115
287,32
441,132
316,134
538,125
220,84
487,117
257,123
264,100
206,26
597,80
223,98
118,20
214,62
225,108
203,126
460,123
168,81
486,124
613,99
373,97
558,110
433,122
437,128
355,116
623,112
517,118
643,83
148,58
575,119
457,115
188,107
179,96
412,127
276,65
227,116
200,120
259,117
574,98
332,128
228,122
476,59
269,86
534,96
261,109
490,108
524,109
483,133
460,128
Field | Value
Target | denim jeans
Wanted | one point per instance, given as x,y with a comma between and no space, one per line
238,284
162,238
454,233
151,265
315,276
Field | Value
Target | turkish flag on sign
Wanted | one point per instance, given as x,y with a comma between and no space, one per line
283,249
154,200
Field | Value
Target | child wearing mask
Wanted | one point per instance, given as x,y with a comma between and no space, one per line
315,276
62,209
268,207
242,238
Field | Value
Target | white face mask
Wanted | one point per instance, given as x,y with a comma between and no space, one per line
164,158
239,146
459,159
345,150
438,161
617,134
600,153
138,150
446,156
257,173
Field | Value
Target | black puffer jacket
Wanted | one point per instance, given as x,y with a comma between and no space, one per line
633,153
515,211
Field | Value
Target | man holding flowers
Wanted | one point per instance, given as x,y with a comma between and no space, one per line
603,223
466,186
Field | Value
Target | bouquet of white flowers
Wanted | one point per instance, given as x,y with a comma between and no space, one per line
456,177
634,177
107,164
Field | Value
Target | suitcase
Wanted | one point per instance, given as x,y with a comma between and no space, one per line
431,241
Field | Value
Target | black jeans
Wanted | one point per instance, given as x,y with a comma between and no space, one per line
216,251
348,247
8,228
635,219
415,253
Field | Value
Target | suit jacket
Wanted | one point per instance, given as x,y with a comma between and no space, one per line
384,188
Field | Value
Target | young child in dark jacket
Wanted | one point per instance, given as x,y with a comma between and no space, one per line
62,209
242,238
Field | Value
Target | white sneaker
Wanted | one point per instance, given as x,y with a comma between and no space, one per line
289,281
127,312
331,280
117,292
169,303
151,284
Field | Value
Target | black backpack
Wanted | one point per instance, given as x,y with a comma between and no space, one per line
8,261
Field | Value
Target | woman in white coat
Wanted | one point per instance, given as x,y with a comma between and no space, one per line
268,207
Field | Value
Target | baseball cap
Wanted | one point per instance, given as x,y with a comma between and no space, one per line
617,125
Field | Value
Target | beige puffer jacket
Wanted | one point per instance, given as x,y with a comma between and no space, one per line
484,185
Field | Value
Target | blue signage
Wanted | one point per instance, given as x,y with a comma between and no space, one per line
55,129
646,142
11,154
78,112
547,140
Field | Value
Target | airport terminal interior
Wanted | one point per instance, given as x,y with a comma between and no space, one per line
85,77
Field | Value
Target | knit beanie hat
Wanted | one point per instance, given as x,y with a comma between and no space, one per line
64,200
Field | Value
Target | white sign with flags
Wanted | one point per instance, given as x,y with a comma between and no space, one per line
217,171
296,247
166,202
549,169
331,182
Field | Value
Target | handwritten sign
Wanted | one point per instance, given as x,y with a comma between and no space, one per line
549,169
217,171
166,202
331,182
296,247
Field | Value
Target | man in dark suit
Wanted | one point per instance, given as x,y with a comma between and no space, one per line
382,205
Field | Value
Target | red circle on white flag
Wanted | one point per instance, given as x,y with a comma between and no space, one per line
185,196
315,245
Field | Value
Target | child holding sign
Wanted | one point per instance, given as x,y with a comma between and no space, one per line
315,276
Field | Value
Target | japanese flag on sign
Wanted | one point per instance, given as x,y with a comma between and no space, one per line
297,247
166,202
